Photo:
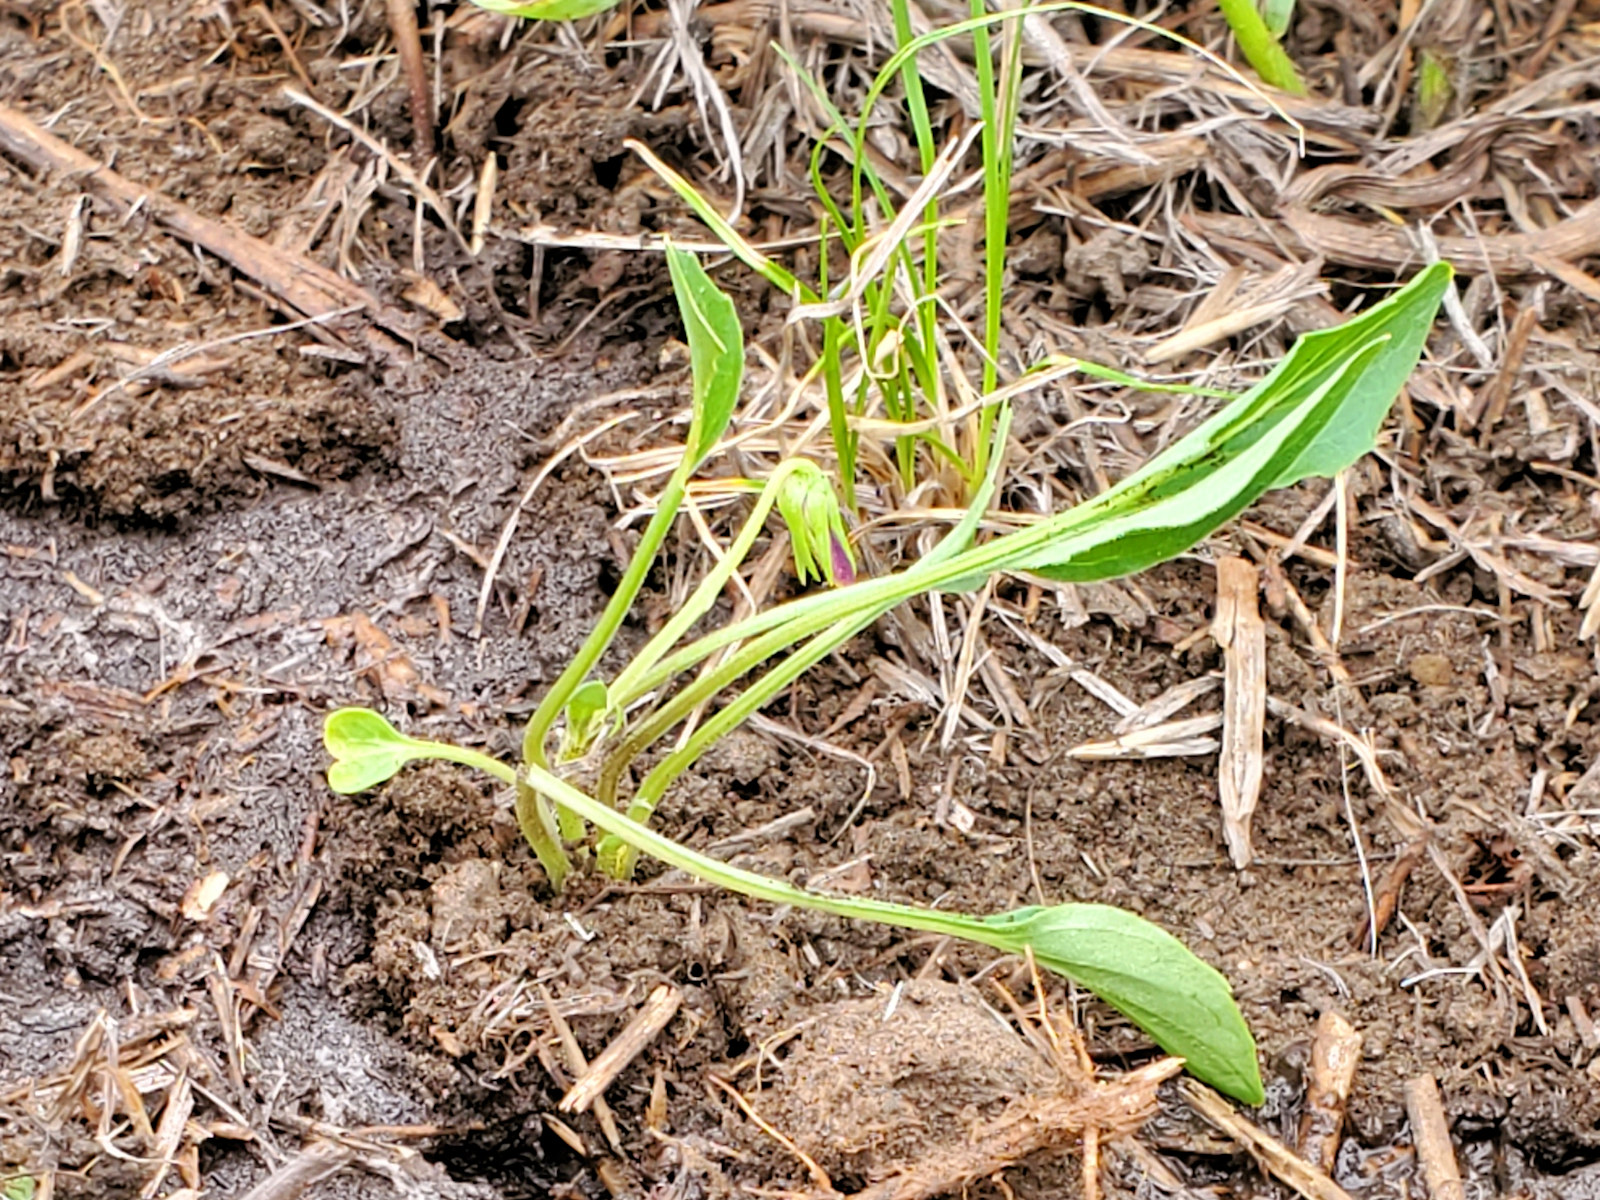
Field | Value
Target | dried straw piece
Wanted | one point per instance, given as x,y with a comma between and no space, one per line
1432,1134
1373,246
312,1165
1239,630
1273,1155
1183,738
650,1020
408,43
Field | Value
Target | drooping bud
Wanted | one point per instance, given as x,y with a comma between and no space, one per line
810,509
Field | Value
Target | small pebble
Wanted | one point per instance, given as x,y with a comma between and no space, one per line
1432,670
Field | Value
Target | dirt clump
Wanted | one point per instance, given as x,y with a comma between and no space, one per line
868,1085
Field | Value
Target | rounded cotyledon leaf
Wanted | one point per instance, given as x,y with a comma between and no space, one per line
366,750
1149,976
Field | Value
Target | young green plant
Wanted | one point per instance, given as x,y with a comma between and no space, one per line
1186,1006
1314,414
716,357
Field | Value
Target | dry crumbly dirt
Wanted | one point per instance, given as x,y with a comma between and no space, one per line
198,564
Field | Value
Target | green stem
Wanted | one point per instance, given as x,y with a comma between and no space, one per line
751,700
994,207
533,814
1260,49
735,879
611,619
705,595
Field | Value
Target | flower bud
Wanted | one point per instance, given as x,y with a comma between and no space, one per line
810,509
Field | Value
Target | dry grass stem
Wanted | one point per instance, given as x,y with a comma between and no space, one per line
1242,634
1431,1129
579,1066
408,44
318,1161
1275,1158
1185,738
1113,1108
658,1009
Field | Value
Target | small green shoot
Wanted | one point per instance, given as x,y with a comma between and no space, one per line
816,527
1260,46
547,10
883,351
716,356
1434,89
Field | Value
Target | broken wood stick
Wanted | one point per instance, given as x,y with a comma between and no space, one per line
408,44
1431,1131
1239,630
1335,1052
661,1006
296,281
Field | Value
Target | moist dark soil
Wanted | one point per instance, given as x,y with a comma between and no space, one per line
204,556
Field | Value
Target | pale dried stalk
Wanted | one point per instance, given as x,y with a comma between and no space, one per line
1335,1053
1273,1155
1184,738
1114,1108
1432,1134
1239,630
650,1020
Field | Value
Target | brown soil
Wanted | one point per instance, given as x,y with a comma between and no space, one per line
202,561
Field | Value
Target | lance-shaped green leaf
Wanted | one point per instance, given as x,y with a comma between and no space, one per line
1404,319
1136,967
1315,413
1150,977
1277,14
716,360
716,350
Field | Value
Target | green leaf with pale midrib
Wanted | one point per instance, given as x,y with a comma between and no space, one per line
1152,978
716,350
547,10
